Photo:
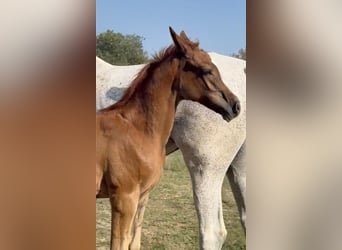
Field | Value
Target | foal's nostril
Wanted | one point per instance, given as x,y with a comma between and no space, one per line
236,108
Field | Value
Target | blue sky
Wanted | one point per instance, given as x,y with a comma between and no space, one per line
219,25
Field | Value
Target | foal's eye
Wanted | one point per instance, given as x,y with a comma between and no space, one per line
206,72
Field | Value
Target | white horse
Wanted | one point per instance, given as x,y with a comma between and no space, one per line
211,147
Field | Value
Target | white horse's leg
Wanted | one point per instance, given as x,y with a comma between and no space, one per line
207,185
208,201
207,177
237,178
208,147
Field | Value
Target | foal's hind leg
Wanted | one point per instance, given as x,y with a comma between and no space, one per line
137,224
237,178
124,207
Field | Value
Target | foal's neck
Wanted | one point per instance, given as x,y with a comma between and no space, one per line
156,100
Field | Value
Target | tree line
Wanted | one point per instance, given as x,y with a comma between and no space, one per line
118,49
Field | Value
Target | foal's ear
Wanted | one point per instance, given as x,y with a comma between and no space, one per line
180,43
184,36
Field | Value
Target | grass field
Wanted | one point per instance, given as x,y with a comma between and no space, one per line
170,218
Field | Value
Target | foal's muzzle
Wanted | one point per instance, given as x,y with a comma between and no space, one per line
232,111
236,108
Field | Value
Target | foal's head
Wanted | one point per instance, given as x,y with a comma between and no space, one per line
200,80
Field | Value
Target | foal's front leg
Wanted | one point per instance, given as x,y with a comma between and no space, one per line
99,176
137,224
124,207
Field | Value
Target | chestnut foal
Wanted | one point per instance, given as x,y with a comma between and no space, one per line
131,134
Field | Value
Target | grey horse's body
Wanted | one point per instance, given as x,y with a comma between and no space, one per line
211,147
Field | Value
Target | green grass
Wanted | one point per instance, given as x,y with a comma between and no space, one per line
170,220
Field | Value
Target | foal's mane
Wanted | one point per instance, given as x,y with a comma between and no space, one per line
143,74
